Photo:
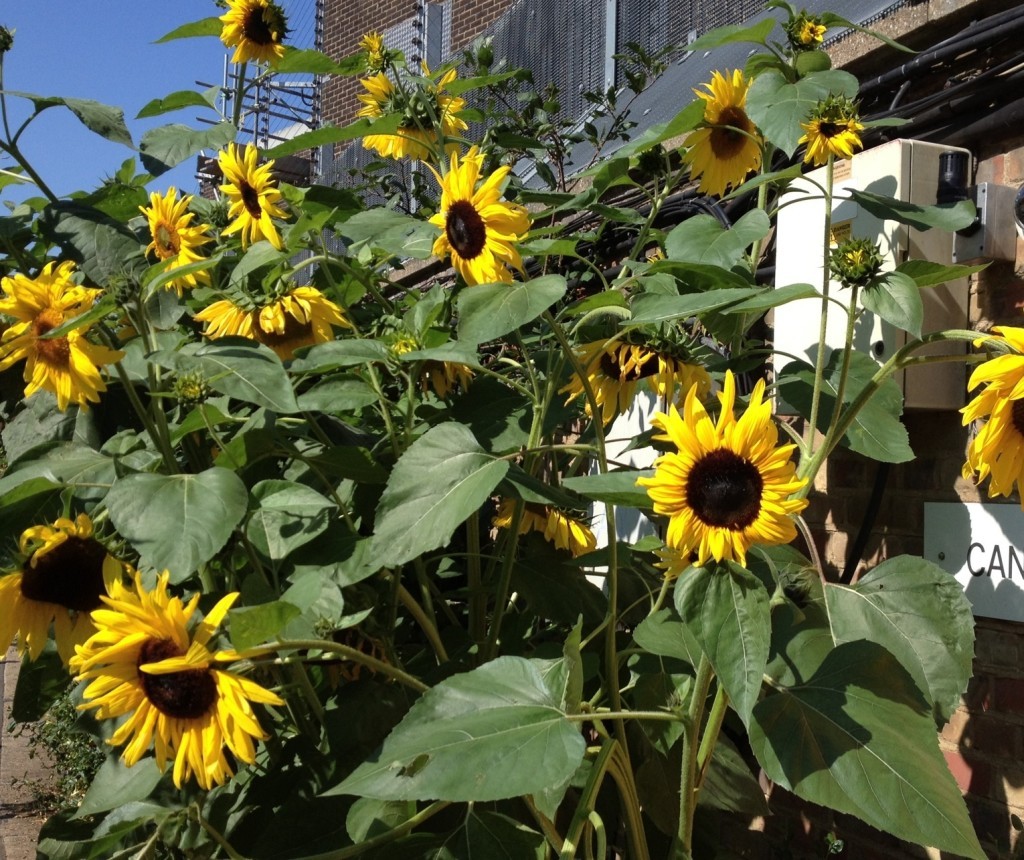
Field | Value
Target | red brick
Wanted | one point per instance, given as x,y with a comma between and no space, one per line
971,775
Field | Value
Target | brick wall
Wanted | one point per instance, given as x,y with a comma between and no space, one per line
345,22
470,17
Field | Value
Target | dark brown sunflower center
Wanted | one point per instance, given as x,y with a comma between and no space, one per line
167,241
70,575
724,490
465,229
258,28
55,351
728,137
830,129
250,199
186,695
647,366
1017,416
293,331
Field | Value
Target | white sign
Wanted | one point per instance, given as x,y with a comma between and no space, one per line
982,545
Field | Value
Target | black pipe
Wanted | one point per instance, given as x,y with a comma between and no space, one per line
978,33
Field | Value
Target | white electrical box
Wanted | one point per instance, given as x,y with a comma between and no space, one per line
907,170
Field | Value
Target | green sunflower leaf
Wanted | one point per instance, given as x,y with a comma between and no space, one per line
921,615
441,480
204,27
778,106
925,273
867,747
335,134
169,145
243,369
392,232
178,100
250,626
686,120
876,431
945,216
616,488
116,785
732,33
703,239
105,120
501,713
488,311
307,61
288,516
655,308
494,836
203,509
103,247
339,353
897,300
338,394
726,609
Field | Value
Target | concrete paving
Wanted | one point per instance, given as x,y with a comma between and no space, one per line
19,821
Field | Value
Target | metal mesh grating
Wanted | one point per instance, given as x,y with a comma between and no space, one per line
560,41
659,24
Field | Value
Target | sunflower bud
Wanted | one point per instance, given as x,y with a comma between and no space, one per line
191,389
378,58
805,32
6,40
855,262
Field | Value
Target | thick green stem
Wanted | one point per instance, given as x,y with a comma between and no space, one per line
710,736
682,844
428,627
588,798
844,371
902,357
819,361
236,108
345,651
477,595
504,582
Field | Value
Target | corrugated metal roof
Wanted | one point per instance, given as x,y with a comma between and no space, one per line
665,97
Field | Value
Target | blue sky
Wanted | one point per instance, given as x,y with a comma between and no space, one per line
101,50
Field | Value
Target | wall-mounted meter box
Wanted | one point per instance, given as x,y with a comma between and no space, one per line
907,170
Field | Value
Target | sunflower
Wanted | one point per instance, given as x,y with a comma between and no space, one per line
833,129
252,194
805,32
614,369
728,147
64,572
146,664
427,106
301,317
255,29
480,230
444,377
68,366
377,59
174,237
727,485
997,451
558,528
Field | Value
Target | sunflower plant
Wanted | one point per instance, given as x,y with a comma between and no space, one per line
341,552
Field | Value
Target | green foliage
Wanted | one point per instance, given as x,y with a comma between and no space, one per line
393,477
503,713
